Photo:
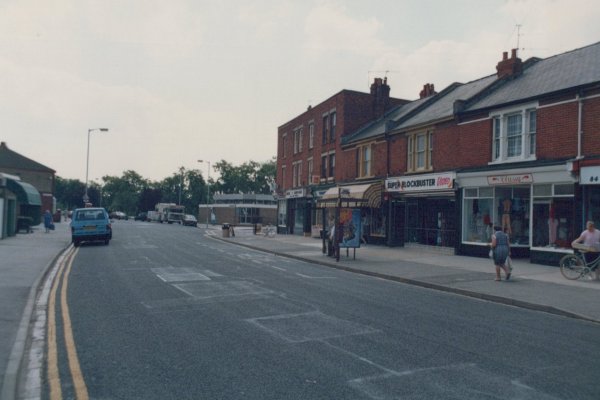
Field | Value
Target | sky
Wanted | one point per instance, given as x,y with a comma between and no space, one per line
180,81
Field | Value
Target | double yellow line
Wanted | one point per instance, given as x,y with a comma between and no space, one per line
62,279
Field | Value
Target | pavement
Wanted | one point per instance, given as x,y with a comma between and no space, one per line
26,258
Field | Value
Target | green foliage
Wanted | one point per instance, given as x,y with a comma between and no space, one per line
131,193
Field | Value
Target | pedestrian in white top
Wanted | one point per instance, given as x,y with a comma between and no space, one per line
591,238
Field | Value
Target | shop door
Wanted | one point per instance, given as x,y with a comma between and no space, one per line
397,223
411,227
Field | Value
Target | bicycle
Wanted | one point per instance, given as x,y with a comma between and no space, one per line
574,266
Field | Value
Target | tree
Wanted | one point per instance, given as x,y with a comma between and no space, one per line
69,193
122,193
250,177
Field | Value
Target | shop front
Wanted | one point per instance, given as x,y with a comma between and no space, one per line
589,181
422,210
536,207
297,217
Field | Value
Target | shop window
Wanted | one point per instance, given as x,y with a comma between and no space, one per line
282,213
553,216
507,207
478,216
377,222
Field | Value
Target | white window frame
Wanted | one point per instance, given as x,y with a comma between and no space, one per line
524,140
311,134
365,160
414,163
310,169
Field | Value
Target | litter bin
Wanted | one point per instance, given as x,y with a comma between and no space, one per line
225,230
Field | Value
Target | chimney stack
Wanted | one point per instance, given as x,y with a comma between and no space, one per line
428,90
509,67
380,94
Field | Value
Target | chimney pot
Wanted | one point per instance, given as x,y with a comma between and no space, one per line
514,53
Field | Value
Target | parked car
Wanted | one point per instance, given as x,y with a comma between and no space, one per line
141,217
189,220
90,224
119,215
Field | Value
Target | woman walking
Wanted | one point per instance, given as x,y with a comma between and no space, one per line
501,251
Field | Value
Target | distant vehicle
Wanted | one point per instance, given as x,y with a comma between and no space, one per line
189,220
153,216
170,212
141,217
90,224
119,215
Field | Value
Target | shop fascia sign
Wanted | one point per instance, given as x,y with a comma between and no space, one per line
295,193
516,179
421,183
589,176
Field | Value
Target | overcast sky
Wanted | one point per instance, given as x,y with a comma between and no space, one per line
177,81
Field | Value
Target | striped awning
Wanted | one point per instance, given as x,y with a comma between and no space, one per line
352,196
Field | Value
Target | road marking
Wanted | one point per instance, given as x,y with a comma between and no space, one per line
81,392
53,373
314,277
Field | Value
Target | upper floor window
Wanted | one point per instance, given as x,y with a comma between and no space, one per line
324,166
298,141
311,135
332,165
283,183
364,161
420,150
333,124
297,174
514,135
310,171
325,128
284,144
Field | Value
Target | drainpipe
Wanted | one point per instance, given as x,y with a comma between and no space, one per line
579,127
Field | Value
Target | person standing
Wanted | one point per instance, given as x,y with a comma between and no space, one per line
501,251
47,220
590,237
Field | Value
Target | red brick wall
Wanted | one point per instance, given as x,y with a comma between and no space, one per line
591,127
557,131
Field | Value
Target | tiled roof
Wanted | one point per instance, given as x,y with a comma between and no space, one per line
443,104
11,159
568,70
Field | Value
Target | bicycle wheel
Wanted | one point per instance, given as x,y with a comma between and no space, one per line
571,266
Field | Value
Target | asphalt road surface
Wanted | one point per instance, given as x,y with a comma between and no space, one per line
165,312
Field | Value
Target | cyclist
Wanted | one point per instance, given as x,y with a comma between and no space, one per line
591,238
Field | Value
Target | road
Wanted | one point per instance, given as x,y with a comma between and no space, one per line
165,312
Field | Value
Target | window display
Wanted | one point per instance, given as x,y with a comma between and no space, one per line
553,216
507,207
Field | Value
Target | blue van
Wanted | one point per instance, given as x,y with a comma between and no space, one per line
90,224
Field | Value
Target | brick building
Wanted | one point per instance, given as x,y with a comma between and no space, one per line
309,158
519,148
26,189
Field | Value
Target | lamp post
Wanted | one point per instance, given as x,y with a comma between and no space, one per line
207,190
86,198
181,170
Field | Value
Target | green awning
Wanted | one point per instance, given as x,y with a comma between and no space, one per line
26,193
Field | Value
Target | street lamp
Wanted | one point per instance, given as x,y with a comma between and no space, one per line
207,191
86,198
181,170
